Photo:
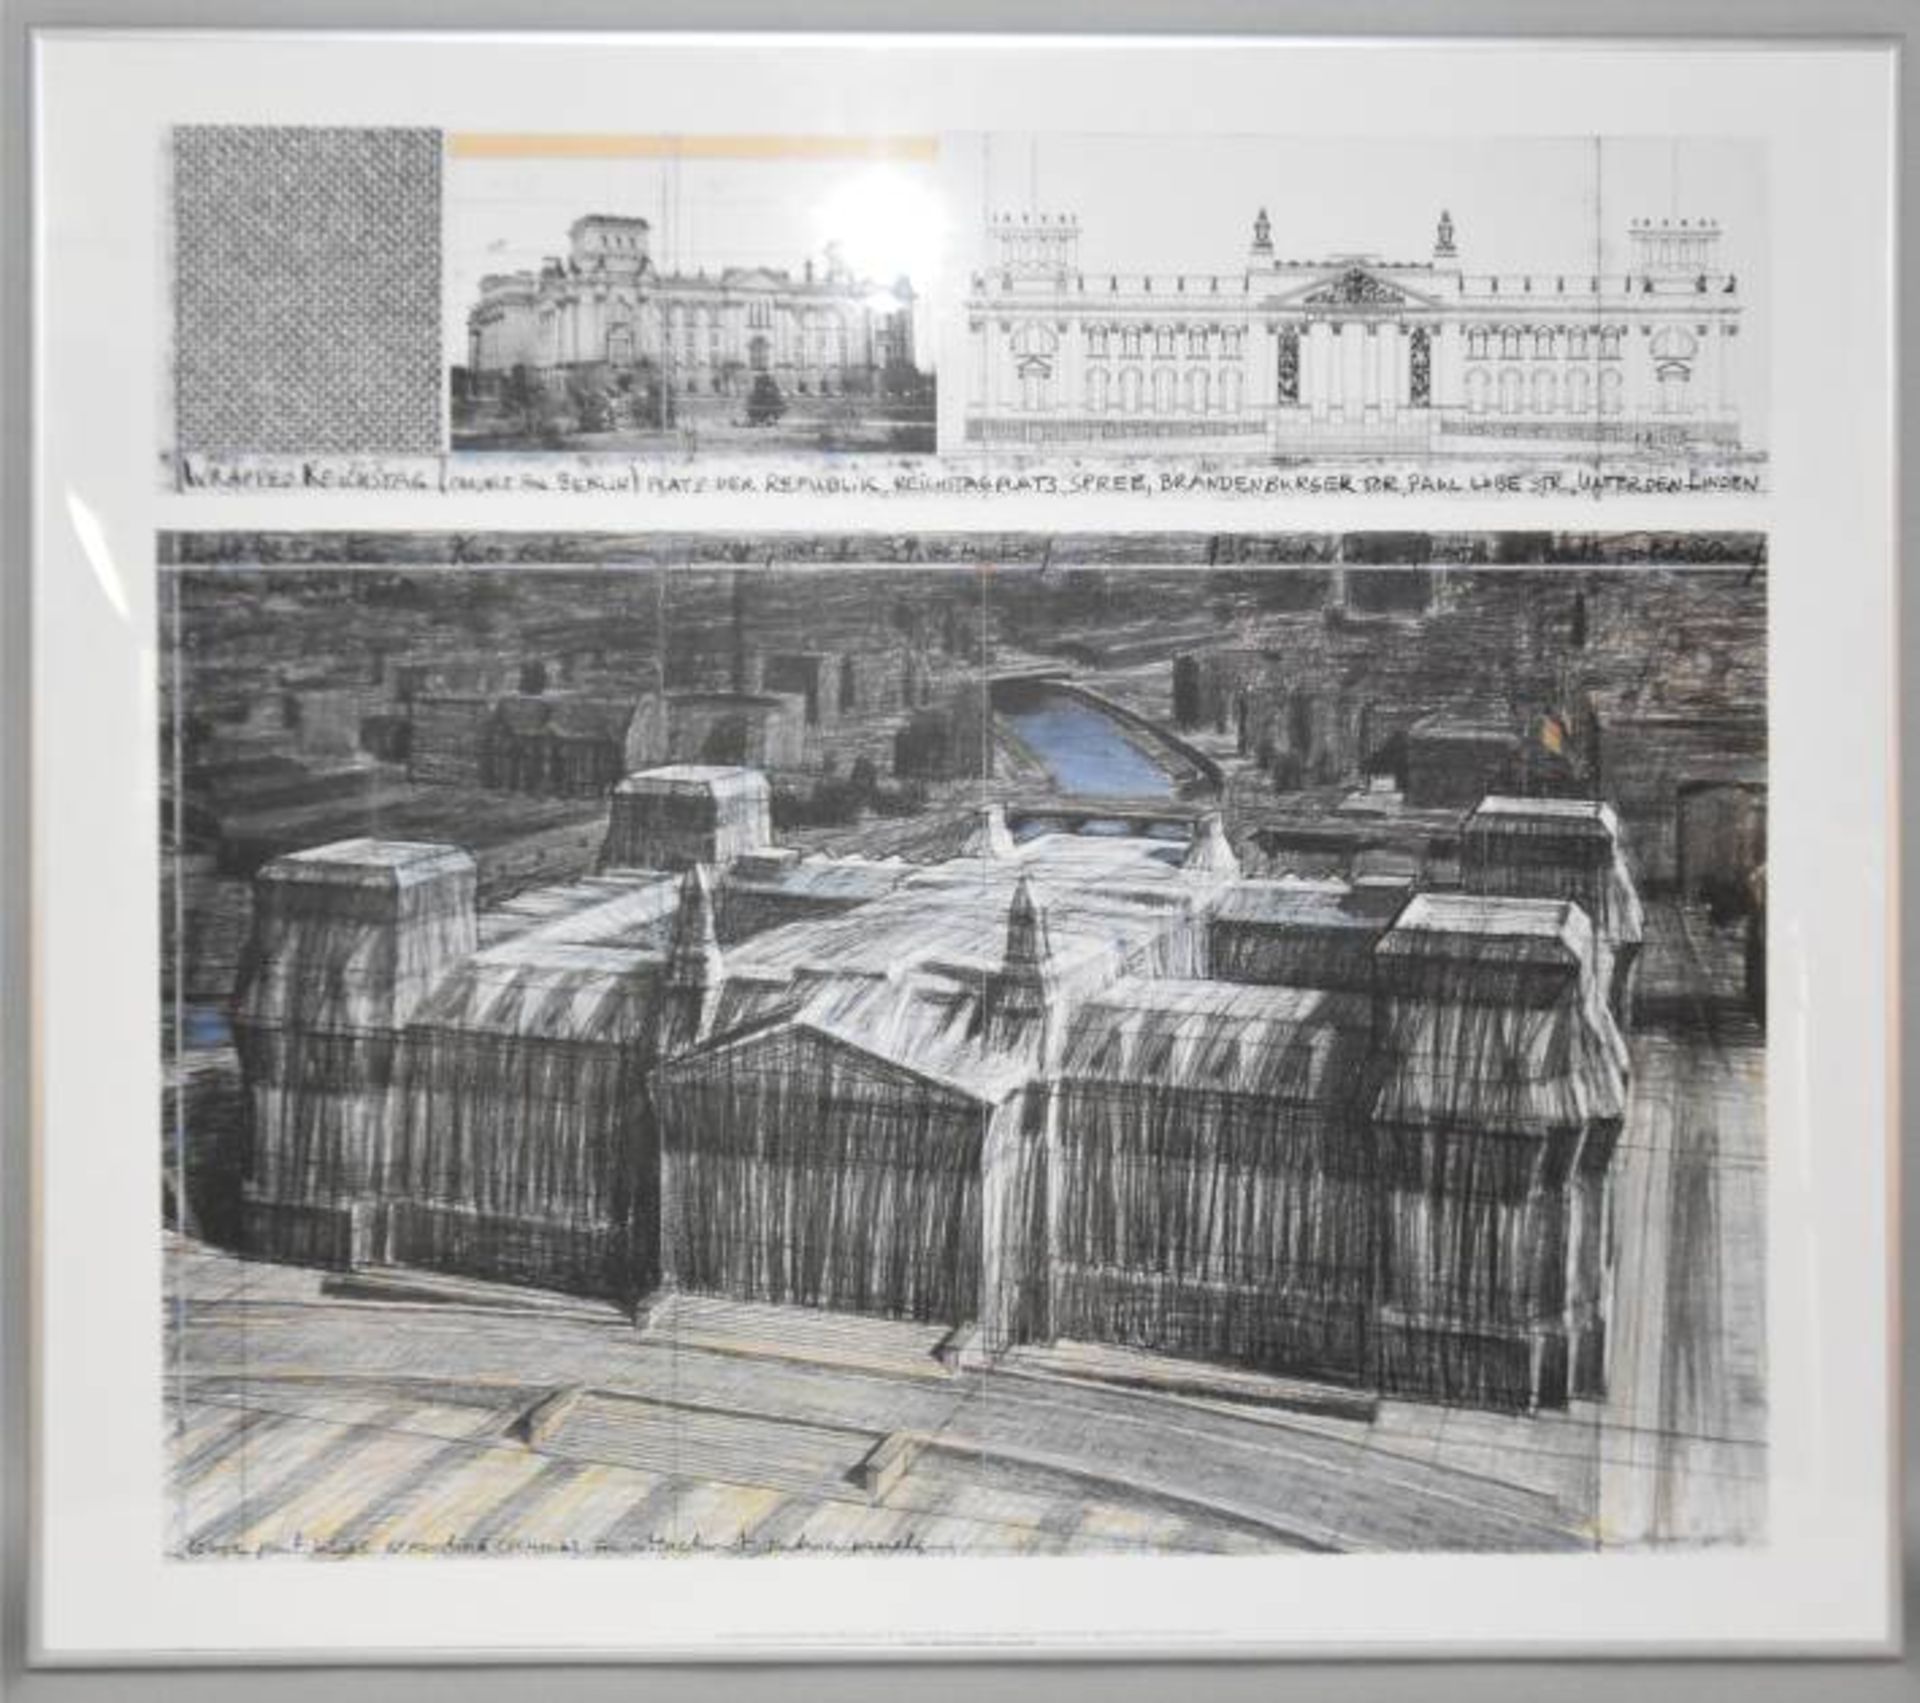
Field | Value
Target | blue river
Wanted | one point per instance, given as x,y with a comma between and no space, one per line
1085,752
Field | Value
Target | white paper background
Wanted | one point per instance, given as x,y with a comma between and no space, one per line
103,1587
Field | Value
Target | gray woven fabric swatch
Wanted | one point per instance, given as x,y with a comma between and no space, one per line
307,290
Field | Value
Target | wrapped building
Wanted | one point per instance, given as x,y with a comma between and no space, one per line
1082,1086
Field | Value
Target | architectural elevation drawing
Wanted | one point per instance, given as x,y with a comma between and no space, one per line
1402,302
956,1043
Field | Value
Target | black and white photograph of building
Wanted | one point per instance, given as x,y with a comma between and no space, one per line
734,297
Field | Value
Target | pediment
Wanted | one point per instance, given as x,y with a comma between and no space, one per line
757,278
1352,285
799,1048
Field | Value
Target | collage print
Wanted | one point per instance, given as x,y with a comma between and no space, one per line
895,1035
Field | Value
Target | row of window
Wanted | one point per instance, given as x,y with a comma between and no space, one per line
1510,391
1577,342
759,317
1231,340
825,350
729,384
1131,392
1165,342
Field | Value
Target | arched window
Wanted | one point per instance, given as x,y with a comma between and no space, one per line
1097,390
1579,391
1197,343
1577,343
1130,342
1477,343
1130,391
1164,386
1510,343
1610,343
1479,390
1543,345
1674,343
1230,391
1035,340
757,354
1163,340
1543,392
1610,391
1096,340
1197,391
1512,391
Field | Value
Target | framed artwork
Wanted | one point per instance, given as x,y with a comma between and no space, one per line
880,846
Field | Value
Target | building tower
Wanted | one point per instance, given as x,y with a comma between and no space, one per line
687,813
1675,248
1019,995
348,941
612,242
1035,245
695,968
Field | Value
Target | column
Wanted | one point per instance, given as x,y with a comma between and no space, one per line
1646,386
1260,368
978,333
1444,352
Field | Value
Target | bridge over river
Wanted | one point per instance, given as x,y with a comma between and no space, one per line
1092,747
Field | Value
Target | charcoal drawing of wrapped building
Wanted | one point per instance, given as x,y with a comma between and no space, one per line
1105,1089
985,1045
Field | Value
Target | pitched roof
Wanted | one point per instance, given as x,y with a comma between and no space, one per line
911,1027
547,990
582,967
1289,902
1293,1045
